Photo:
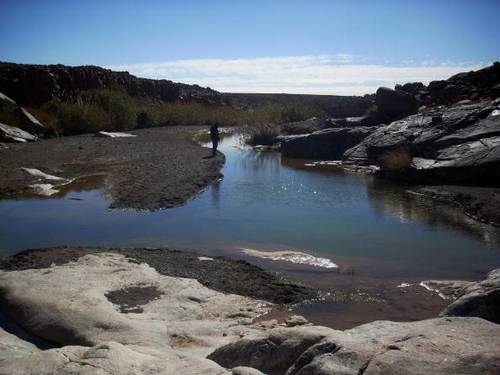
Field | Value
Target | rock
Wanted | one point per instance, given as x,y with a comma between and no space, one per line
304,127
12,346
13,134
271,352
411,88
296,320
353,122
6,98
448,289
395,103
29,122
480,299
452,93
243,370
103,134
324,144
103,298
434,346
455,144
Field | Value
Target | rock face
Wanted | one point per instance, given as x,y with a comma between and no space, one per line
395,103
434,346
37,84
13,134
480,299
457,144
323,144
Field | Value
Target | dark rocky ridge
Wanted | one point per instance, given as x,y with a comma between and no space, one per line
37,84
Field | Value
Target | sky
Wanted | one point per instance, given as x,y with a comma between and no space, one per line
315,47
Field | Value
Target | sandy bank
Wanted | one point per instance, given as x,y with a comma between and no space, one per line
158,168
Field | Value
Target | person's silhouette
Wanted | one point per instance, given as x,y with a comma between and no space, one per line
214,135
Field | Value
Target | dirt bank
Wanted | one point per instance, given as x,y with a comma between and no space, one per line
218,273
159,168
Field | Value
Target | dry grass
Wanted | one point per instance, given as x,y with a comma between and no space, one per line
263,134
396,161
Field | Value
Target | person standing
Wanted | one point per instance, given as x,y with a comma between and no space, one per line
214,135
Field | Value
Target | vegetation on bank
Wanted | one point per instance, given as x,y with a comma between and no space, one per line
115,110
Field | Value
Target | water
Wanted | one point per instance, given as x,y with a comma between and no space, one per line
373,229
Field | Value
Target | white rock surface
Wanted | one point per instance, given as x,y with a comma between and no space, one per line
114,135
179,325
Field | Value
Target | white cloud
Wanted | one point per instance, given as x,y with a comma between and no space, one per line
311,74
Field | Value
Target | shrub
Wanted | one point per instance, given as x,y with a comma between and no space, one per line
396,160
262,134
143,120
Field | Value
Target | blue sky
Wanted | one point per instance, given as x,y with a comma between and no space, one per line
343,47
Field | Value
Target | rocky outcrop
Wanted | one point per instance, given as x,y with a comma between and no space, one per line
481,299
434,346
37,84
459,143
13,134
395,103
323,144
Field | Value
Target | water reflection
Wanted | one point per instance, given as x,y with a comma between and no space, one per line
388,197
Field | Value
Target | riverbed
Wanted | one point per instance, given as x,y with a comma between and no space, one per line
379,241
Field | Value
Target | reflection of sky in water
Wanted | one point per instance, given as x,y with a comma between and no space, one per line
267,202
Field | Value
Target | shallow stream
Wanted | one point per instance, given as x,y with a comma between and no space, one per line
376,233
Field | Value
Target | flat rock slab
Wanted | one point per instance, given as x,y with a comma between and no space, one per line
12,134
72,305
218,273
159,168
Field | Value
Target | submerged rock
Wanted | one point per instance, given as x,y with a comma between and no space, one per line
12,134
323,144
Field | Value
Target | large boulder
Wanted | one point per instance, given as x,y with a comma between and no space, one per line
480,299
459,143
323,144
434,346
12,134
395,103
